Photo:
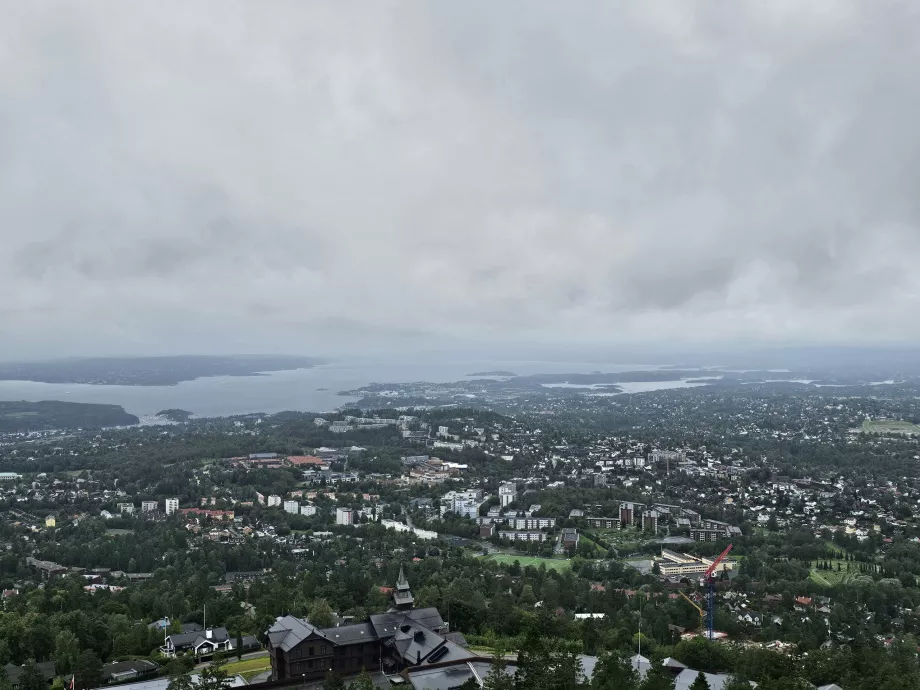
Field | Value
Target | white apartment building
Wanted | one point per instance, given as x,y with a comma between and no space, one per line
465,503
507,492
172,505
274,500
344,516
126,508
149,506
292,507
307,510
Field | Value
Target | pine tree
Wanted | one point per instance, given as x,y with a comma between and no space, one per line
700,683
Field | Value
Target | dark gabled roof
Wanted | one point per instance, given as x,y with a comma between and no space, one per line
138,666
289,631
350,634
386,624
457,638
194,638
46,668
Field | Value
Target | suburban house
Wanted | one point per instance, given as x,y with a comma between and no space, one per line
122,671
390,642
198,642
14,673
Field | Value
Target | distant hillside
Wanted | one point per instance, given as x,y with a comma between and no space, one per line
53,414
149,371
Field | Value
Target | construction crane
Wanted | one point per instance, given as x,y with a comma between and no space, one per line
694,605
711,584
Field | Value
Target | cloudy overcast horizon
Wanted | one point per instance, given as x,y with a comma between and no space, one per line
316,177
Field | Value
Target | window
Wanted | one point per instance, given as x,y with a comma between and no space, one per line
322,649
310,664
310,652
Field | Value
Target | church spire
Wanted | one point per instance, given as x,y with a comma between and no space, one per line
402,595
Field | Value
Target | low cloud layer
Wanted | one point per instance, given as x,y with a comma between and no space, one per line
307,177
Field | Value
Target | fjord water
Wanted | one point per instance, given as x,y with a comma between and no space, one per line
297,389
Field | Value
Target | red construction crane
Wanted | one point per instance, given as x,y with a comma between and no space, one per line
711,584
715,563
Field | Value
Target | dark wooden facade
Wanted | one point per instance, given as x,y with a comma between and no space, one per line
315,656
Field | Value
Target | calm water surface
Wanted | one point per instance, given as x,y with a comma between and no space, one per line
286,390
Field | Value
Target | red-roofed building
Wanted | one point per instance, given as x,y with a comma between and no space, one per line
299,460
215,514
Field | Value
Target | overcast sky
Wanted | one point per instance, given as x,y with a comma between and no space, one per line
304,177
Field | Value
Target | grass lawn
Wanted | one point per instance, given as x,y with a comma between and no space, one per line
890,427
535,561
249,667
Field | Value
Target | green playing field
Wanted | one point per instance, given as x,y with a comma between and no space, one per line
554,563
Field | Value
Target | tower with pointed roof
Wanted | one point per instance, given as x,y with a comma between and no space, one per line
402,595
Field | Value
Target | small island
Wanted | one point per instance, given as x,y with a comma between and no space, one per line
175,415
493,373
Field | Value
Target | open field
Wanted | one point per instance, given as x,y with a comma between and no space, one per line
890,427
535,561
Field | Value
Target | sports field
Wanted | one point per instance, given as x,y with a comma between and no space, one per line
888,426
535,561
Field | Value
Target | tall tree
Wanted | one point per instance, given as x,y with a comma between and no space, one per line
700,682
362,682
88,671
321,614
659,677
498,678
614,672
213,676
333,681
66,651
31,678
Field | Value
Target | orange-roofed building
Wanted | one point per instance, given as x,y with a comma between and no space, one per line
298,460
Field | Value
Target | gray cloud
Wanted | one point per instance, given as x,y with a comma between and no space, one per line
197,176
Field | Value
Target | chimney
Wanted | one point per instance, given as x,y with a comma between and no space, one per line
207,634
418,657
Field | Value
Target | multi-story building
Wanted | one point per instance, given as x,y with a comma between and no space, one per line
307,509
531,522
507,493
522,535
673,563
389,642
569,537
650,521
149,506
125,508
465,503
344,516
292,507
626,514
713,530
274,500
600,479
172,505
603,522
